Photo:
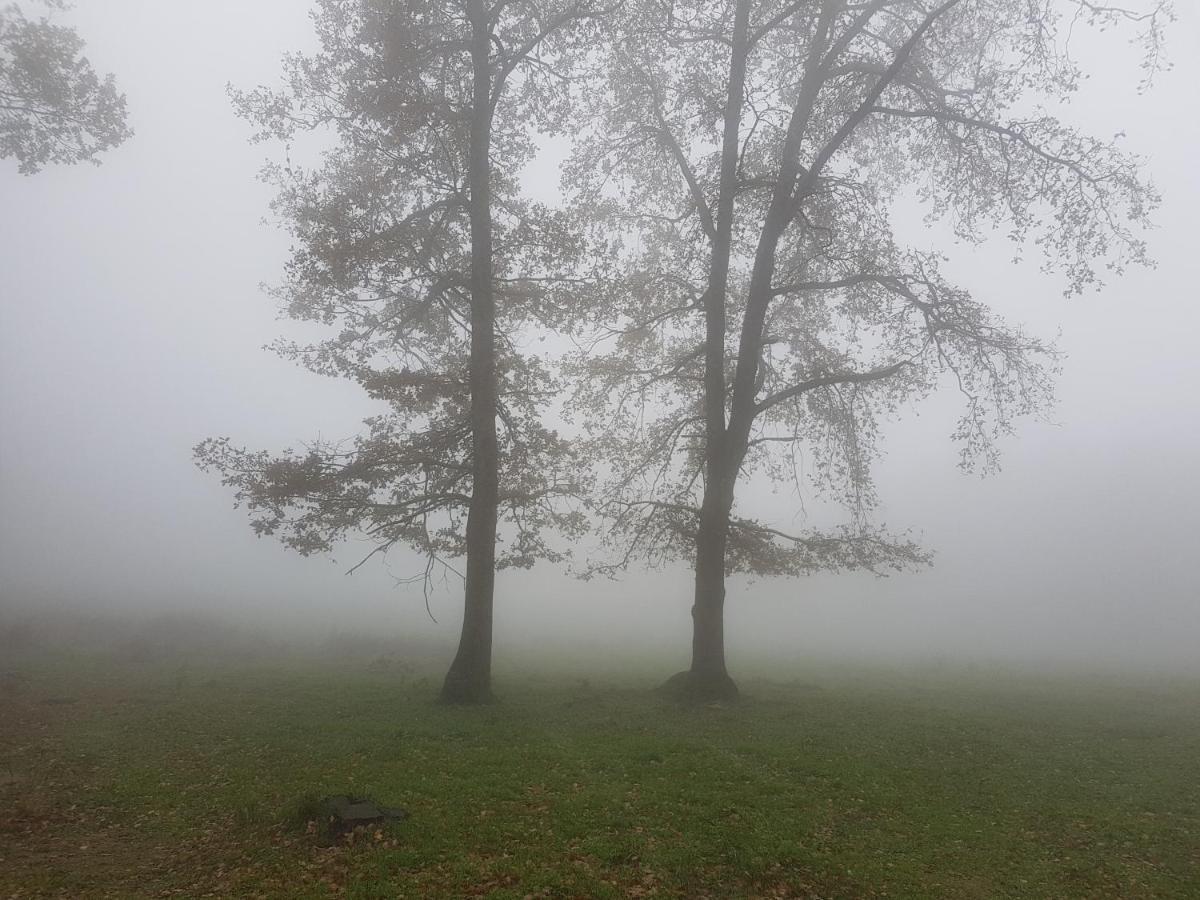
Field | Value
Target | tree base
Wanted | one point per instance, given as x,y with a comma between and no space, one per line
463,692
697,687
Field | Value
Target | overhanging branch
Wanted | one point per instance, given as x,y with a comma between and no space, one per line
835,378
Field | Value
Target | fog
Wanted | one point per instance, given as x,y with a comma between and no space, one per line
132,325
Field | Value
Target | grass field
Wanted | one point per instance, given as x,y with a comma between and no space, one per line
160,780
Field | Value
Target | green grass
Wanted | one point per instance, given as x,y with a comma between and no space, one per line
170,782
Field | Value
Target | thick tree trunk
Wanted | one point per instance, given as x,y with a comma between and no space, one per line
470,677
708,680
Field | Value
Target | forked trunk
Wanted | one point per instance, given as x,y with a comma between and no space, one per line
726,443
470,677
707,679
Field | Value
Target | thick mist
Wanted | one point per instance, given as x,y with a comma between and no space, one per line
132,325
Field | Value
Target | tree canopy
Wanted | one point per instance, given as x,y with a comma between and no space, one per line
745,159
414,245
54,108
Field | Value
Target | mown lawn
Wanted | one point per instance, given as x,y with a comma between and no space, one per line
148,781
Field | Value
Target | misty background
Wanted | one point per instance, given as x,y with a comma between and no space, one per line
132,326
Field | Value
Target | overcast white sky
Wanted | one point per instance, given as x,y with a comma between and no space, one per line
131,326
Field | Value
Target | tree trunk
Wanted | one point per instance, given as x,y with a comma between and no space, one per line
470,677
707,679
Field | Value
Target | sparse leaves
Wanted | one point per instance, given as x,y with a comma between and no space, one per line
829,324
382,256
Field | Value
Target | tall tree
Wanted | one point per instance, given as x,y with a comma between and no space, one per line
750,154
413,240
54,108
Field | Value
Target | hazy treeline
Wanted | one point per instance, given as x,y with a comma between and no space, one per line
201,640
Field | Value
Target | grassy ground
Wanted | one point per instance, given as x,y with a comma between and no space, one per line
148,781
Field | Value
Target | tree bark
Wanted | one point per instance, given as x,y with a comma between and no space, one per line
708,680
470,677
